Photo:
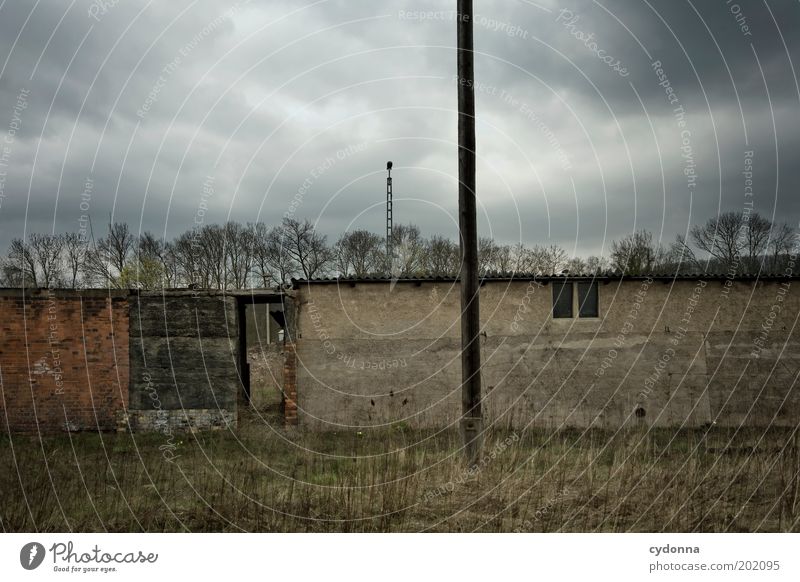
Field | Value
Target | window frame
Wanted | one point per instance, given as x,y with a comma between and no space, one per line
558,301
592,285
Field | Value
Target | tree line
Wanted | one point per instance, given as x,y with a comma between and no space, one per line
240,256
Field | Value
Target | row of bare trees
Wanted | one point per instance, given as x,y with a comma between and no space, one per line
239,256
732,243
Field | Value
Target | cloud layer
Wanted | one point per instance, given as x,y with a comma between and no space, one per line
297,107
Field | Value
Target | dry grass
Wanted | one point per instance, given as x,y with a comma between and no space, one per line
272,479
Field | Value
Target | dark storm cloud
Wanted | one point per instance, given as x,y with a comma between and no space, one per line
277,100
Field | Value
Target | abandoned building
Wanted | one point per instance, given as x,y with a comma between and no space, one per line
347,354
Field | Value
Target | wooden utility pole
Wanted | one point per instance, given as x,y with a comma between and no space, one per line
471,419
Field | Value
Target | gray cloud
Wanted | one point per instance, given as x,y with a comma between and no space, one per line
153,98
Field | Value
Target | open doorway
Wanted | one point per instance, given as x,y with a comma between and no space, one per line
262,327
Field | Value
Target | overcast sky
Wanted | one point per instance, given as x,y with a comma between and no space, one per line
280,106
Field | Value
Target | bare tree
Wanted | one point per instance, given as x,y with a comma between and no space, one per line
21,264
272,262
187,261
306,247
75,249
781,244
151,251
359,253
211,248
756,237
239,248
722,238
118,245
487,249
576,266
442,257
596,264
171,269
681,257
503,259
111,255
551,259
261,264
279,258
46,250
522,259
408,248
635,254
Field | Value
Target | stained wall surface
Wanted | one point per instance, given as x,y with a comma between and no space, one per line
184,357
668,353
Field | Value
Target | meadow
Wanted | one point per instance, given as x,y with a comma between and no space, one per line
270,478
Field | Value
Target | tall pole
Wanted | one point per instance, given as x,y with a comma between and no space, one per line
389,214
471,419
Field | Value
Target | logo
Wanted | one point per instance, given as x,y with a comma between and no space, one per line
31,555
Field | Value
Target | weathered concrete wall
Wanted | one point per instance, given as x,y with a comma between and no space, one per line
63,360
183,361
660,353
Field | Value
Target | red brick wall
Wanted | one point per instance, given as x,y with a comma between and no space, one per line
63,360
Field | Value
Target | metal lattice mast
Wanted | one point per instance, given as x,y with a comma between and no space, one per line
389,212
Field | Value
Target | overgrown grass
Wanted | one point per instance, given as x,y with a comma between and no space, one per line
267,478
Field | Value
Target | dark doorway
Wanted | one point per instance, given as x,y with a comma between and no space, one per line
261,333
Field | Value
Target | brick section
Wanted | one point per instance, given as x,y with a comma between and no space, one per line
169,421
63,360
290,382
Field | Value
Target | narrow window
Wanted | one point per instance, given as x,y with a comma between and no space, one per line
587,299
562,299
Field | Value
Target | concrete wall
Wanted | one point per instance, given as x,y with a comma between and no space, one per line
183,361
660,353
63,360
